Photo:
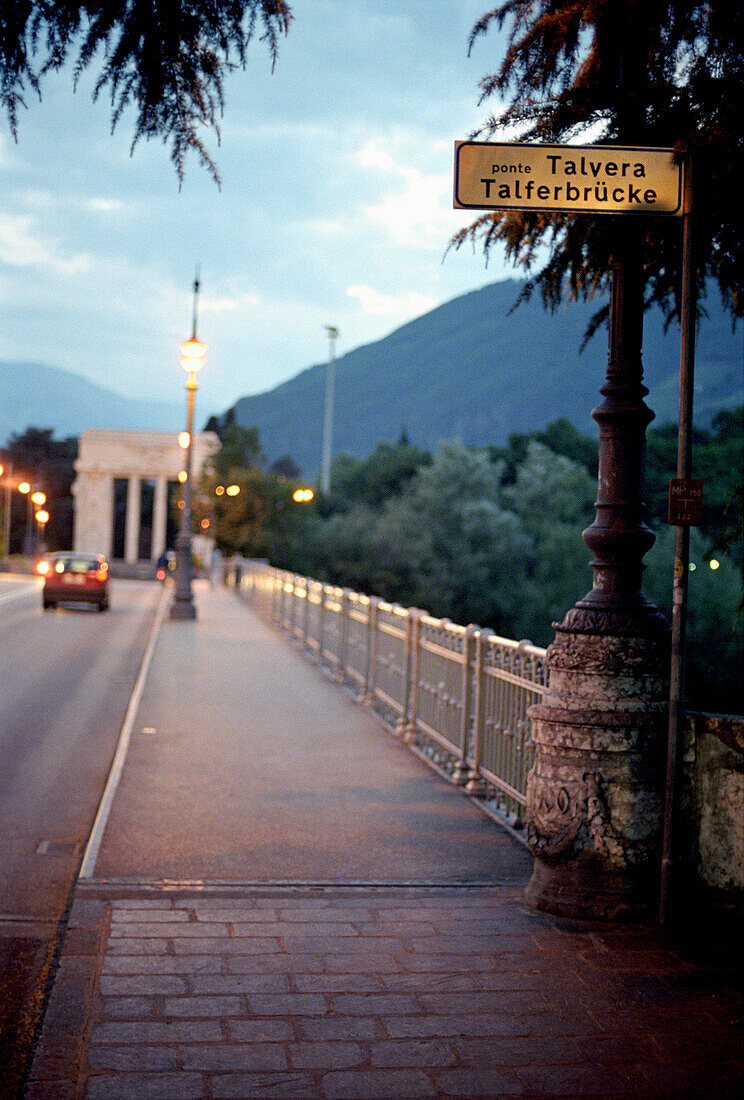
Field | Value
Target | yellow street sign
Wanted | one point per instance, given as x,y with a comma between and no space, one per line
580,179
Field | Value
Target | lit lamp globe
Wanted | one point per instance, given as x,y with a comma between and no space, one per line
192,356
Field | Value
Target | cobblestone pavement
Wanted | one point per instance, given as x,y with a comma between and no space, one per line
373,992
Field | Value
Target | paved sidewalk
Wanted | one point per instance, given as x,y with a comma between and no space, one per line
205,959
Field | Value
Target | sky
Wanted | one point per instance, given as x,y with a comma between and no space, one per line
335,208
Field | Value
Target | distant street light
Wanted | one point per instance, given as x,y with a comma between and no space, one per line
42,518
36,498
192,361
325,459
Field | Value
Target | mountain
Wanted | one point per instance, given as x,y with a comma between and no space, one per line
32,394
472,370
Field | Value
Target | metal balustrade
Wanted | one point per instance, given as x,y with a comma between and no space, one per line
458,695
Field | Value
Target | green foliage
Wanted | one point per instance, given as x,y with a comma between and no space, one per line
373,480
167,59
495,538
240,449
718,459
48,464
714,627
636,72
249,510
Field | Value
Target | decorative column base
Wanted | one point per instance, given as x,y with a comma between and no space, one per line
595,793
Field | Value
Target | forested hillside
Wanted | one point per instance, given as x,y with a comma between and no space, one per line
474,370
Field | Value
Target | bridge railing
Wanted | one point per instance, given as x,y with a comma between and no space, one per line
458,695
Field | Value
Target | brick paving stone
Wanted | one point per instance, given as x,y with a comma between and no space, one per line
295,932
128,1008
140,1059
240,983
480,1083
377,1085
330,1055
204,1006
288,1004
337,983
287,1086
145,1086
149,916
161,964
179,1031
326,1029
170,929
361,963
419,1053
275,963
212,946
500,1001
142,903
234,1057
374,1004
132,946
259,1030
143,985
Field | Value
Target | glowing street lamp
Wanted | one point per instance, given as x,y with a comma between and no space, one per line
42,518
193,353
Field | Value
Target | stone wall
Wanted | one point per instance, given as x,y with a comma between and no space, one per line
715,801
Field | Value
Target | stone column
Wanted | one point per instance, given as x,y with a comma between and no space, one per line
159,518
132,523
94,512
594,795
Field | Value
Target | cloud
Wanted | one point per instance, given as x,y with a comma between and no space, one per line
411,304
418,211
105,206
20,247
248,300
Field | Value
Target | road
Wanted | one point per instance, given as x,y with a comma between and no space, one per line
66,677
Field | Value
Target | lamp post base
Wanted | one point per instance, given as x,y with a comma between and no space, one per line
182,609
594,795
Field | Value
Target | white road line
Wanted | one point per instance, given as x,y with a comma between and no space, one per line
104,809
25,590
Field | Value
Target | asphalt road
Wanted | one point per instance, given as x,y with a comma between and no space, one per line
66,677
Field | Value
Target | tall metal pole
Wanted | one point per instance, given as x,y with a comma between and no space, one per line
6,514
183,597
681,549
325,460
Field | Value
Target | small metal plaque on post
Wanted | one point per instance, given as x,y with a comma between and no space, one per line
685,501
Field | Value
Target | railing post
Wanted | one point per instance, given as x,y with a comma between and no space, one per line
369,675
409,735
461,773
401,724
321,624
343,635
476,785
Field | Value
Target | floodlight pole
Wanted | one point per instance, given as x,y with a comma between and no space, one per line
325,461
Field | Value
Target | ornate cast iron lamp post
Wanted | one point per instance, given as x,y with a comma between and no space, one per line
192,361
594,795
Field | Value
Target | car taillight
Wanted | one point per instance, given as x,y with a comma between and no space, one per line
43,568
101,574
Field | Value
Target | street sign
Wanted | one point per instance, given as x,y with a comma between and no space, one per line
577,179
685,501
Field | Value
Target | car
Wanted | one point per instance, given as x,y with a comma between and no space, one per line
70,577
